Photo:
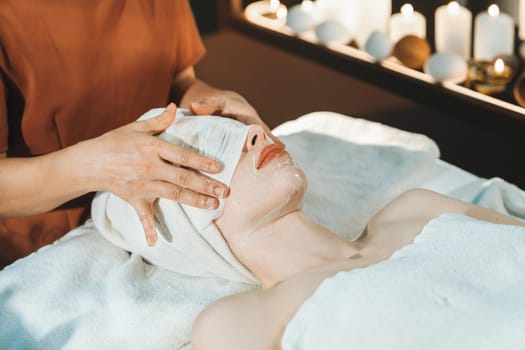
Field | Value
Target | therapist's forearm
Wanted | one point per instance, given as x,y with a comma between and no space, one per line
35,185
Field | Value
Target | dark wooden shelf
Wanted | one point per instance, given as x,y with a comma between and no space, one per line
455,101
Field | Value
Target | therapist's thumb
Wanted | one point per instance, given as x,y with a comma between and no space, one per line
144,210
159,123
205,108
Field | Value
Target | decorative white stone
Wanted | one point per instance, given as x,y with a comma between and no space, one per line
332,30
299,19
447,66
378,45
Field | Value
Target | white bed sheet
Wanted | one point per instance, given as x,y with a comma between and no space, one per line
87,300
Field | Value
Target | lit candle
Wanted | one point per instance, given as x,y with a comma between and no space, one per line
491,78
407,22
273,9
493,34
501,72
453,29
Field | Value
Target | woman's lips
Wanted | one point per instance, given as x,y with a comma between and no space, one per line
269,153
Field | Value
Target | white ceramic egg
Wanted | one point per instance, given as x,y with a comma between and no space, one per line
447,66
299,20
378,45
332,30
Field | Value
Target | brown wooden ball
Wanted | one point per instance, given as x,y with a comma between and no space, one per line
412,51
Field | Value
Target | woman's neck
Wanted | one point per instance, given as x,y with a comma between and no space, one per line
290,245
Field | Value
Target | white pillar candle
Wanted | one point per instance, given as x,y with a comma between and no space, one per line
453,29
522,20
373,16
344,11
407,22
493,34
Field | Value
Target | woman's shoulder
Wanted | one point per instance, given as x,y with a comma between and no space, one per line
256,319
418,204
402,219
239,321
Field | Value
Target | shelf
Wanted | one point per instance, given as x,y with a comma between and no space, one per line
454,100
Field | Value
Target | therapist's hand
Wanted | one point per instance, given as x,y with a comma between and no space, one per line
138,167
232,105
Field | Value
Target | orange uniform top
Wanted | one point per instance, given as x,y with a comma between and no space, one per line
72,70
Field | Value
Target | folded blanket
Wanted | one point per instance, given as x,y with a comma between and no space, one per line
460,285
348,182
84,293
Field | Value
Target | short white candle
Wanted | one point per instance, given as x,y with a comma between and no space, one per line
453,29
493,34
407,22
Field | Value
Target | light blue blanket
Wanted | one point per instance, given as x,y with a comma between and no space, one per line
460,285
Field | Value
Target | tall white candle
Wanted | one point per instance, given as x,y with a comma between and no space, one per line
344,11
407,22
493,34
453,29
374,16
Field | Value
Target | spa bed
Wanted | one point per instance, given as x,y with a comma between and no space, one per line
83,293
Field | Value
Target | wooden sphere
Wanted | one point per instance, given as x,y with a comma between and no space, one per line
519,90
412,51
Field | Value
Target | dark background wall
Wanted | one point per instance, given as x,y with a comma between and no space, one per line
205,12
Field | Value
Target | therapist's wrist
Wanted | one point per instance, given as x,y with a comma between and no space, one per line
85,168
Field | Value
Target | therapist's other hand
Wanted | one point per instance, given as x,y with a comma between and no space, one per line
140,168
232,105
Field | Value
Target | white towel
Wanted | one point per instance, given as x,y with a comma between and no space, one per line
461,285
188,242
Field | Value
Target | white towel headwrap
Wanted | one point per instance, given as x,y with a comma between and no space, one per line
188,241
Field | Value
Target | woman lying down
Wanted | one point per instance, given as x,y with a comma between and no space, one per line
259,233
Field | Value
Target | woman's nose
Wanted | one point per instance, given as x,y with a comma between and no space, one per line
256,137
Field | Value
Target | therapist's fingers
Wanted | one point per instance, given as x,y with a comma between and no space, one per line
183,195
159,123
185,157
144,209
193,181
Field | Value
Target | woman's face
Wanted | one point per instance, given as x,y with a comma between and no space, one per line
266,185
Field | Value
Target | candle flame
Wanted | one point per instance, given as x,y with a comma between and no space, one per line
453,7
499,66
307,5
274,5
407,10
282,12
494,10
